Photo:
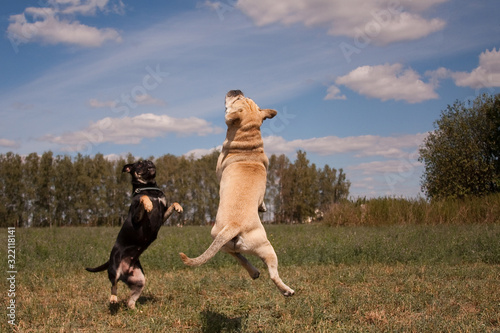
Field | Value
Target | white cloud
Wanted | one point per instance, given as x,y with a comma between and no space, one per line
333,92
9,143
389,177
395,172
386,167
144,99
132,130
383,22
56,24
96,104
388,82
85,7
117,157
361,146
197,153
147,99
486,75
436,75
278,145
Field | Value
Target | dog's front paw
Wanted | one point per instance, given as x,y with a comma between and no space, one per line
177,207
146,203
113,299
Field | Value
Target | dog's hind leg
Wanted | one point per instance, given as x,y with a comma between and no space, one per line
136,282
267,254
254,272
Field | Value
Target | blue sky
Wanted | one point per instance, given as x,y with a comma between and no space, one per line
357,84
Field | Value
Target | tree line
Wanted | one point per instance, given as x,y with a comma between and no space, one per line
462,155
48,190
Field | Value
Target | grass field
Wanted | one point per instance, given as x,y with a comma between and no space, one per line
412,278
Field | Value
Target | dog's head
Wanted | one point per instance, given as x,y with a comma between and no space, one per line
242,111
143,172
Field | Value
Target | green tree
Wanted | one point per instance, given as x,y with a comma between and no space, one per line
99,173
44,189
83,189
12,190
54,191
169,179
30,169
64,191
461,156
333,188
122,191
204,189
274,190
299,191
341,187
493,114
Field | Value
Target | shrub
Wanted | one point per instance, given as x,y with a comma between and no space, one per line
389,211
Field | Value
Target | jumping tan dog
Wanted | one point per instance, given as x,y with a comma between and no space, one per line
242,172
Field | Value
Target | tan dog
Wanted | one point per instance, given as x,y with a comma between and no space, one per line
242,172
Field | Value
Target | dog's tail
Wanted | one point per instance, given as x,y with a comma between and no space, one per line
224,236
100,268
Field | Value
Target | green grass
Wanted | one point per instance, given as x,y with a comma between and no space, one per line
397,211
413,278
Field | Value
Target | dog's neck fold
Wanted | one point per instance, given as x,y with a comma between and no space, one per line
244,139
243,144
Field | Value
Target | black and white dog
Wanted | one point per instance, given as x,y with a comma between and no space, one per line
146,215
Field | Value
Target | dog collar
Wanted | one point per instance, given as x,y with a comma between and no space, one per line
139,190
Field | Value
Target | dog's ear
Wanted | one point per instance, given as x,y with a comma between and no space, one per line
268,113
127,168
